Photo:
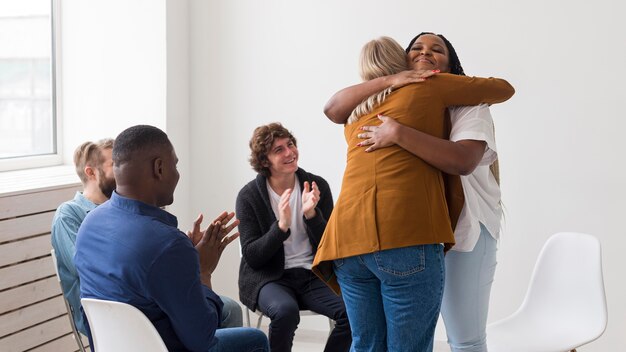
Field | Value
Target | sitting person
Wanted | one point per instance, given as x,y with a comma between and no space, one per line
94,167
282,215
129,250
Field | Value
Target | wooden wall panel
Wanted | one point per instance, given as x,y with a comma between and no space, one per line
35,202
19,274
18,228
63,343
32,313
25,295
20,251
36,335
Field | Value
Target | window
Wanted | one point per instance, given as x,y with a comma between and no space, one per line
27,83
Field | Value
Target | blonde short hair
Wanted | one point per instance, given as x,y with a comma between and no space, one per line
90,154
379,57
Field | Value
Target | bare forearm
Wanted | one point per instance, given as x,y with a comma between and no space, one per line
340,105
456,158
205,278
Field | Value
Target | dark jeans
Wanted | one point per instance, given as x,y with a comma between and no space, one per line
299,289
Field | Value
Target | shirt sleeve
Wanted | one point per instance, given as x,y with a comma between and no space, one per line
192,308
257,247
64,231
474,123
455,90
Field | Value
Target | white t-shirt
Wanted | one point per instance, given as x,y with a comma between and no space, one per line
482,193
298,250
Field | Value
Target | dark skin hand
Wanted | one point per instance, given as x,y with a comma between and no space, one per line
455,158
211,242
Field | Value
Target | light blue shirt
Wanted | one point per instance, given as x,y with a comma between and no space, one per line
65,224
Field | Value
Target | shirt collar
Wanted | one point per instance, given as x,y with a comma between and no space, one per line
141,208
83,202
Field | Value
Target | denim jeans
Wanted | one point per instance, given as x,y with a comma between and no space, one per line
393,297
232,315
469,276
240,340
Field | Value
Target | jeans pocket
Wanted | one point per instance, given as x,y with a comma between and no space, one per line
401,261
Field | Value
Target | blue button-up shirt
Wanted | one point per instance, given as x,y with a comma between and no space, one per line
132,252
65,224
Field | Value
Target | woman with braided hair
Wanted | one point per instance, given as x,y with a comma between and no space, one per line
470,152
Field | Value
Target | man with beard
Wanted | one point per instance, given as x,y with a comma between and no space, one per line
94,166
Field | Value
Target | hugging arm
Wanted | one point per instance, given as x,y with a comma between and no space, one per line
340,105
455,158
464,90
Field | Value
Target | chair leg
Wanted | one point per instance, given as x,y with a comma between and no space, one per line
247,316
258,322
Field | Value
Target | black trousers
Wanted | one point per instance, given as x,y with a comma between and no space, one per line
299,289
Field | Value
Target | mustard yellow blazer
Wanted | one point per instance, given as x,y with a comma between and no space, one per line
390,198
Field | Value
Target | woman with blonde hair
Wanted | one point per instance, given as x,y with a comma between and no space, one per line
382,247
470,152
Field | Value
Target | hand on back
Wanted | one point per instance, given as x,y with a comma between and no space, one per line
403,78
381,136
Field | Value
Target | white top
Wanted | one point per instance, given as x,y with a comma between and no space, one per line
482,193
298,250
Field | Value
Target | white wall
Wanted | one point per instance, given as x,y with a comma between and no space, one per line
254,62
210,71
113,68
125,63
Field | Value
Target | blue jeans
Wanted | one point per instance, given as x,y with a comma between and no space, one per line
240,340
393,297
232,316
466,296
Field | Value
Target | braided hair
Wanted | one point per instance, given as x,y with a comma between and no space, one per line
457,69
455,63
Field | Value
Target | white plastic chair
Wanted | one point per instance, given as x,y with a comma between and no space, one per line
120,327
77,335
565,305
303,313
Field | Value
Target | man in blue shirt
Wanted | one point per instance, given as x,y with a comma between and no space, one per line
129,250
94,167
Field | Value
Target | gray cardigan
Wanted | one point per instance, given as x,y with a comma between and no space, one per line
263,256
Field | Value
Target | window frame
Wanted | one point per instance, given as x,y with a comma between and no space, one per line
56,157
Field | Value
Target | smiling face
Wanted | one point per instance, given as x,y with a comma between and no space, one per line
282,157
429,52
